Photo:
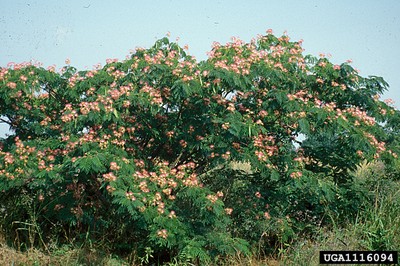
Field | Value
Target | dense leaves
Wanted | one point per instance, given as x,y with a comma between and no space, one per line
147,147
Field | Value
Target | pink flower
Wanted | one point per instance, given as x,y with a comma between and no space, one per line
172,214
52,68
11,85
114,166
111,60
263,113
228,211
183,143
389,102
212,198
296,174
129,195
334,84
162,233
259,122
231,107
110,189
8,158
225,126
109,177
170,134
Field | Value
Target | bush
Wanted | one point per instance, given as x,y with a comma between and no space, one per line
137,153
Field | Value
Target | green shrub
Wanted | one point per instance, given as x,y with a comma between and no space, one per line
137,154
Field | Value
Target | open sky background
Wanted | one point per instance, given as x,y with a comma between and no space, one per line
88,32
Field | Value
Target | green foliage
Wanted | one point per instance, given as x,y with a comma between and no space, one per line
139,152
379,224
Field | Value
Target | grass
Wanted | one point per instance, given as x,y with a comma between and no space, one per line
61,257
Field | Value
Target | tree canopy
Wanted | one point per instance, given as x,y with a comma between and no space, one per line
148,145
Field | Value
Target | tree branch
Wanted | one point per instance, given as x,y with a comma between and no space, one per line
5,121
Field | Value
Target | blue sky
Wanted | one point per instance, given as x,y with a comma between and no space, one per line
88,32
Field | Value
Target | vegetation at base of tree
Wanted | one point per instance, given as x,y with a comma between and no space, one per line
167,159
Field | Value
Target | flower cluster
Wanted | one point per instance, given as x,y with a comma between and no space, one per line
266,146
